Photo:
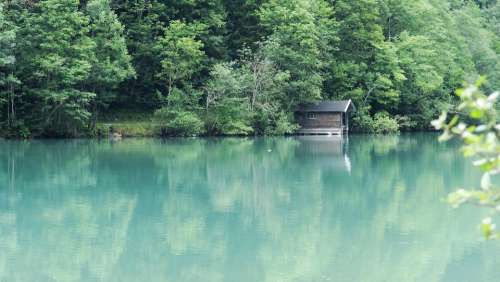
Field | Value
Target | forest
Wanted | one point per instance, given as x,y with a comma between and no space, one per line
70,68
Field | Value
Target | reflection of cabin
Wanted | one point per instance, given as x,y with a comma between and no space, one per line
327,153
326,117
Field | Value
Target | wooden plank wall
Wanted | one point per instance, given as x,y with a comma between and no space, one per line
322,120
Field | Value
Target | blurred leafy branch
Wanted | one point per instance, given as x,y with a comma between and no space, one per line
475,124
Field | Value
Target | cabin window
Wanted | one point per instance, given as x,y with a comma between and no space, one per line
312,116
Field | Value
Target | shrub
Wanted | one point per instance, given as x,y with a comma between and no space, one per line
383,123
380,123
179,122
281,125
17,130
229,117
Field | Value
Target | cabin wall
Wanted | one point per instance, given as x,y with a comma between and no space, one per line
322,120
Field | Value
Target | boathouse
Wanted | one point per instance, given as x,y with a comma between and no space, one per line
325,117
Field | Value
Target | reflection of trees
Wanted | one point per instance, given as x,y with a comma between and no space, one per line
263,209
58,227
401,224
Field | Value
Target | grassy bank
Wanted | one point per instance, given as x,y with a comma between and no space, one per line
128,124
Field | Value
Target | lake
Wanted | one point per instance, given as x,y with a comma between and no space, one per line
366,208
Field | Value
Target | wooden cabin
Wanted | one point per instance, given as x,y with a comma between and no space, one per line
324,118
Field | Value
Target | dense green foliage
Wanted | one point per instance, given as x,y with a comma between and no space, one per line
7,79
113,62
240,67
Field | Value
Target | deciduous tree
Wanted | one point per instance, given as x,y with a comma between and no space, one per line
56,58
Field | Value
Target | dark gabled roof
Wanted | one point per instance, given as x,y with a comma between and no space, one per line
327,106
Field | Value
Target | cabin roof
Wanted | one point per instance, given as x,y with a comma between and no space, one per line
327,106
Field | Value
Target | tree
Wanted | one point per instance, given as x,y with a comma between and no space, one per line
227,107
481,44
422,97
180,53
244,29
143,21
297,29
246,96
7,60
211,14
56,59
266,91
366,68
180,117
112,64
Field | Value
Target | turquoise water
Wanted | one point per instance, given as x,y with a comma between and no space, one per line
268,209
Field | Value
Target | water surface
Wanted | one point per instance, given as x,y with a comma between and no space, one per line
267,209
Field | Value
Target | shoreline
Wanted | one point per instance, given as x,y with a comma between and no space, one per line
158,136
